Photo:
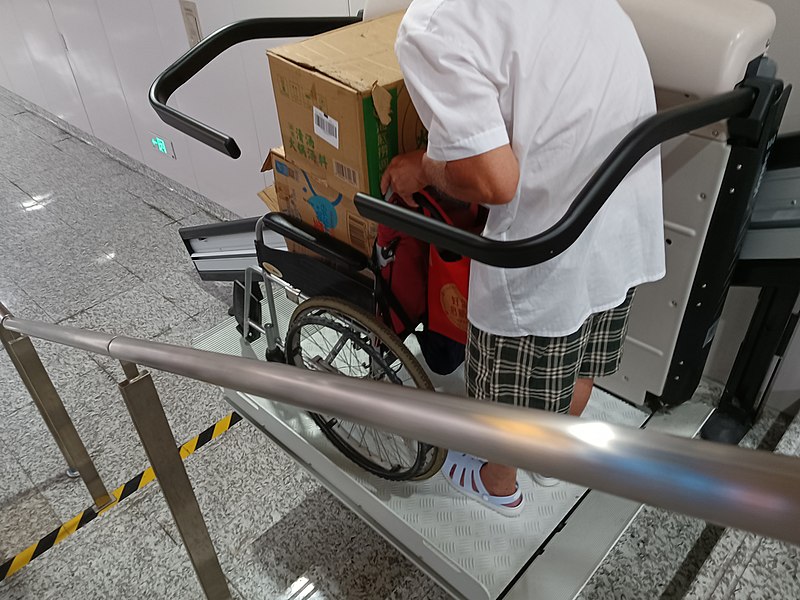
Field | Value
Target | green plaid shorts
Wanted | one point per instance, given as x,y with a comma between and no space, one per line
540,372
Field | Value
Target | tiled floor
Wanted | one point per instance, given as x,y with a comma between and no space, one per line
87,242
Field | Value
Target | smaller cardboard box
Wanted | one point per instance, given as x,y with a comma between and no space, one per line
316,203
343,107
270,197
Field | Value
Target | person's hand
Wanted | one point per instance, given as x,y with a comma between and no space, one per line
405,175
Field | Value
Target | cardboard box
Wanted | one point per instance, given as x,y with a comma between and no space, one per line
343,108
313,201
270,197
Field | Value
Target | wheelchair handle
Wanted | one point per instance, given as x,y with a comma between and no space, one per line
191,63
747,100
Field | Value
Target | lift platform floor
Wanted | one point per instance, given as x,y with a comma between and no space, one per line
470,551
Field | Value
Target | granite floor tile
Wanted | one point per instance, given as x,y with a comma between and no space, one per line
20,303
56,358
760,582
170,203
8,108
122,214
101,164
186,290
724,567
25,226
135,183
182,334
324,545
790,442
782,561
213,314
14,134
24,160
64,363
11,196
67,176
244,485
417,586
139,312
95,407
25,515
63,294
13,393
68,497
191,406
117,465
40,127
199,218
647,557
103,560
149,252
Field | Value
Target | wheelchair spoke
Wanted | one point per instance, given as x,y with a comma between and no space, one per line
340,339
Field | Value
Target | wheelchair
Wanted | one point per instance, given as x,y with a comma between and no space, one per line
341,326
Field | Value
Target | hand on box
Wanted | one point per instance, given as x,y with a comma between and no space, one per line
405,176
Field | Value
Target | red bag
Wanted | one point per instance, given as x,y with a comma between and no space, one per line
405,274
448,274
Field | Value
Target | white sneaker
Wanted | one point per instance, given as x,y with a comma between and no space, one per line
544,481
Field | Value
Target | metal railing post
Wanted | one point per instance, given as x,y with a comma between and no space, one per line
33,374
150,421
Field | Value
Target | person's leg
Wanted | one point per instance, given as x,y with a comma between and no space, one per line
542,376
501,480
580,397
599,347
603,351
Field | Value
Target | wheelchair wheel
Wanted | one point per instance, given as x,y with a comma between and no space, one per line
332,335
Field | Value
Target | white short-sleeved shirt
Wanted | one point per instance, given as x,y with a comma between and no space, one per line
562,81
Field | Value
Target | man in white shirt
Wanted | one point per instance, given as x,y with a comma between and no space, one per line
523,99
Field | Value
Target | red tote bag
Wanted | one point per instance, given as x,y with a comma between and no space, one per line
448,273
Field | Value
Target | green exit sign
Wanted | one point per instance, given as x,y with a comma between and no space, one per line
162,146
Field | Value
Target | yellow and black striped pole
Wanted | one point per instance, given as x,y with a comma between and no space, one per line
56,536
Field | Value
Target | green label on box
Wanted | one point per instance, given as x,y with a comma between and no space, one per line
380,141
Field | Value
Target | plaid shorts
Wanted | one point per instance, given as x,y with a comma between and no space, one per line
540,372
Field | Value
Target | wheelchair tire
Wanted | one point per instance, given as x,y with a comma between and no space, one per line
377,353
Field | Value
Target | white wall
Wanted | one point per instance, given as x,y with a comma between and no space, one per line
34,58
95,72
98,75
785,49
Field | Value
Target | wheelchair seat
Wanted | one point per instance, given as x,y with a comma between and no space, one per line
318,241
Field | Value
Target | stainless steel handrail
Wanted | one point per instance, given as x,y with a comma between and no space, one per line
730,486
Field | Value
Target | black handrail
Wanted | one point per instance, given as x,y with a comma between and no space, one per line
751,96
188,65
550,243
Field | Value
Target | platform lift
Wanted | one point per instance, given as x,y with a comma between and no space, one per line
716,78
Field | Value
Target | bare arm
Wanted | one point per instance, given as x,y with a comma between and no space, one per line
488,178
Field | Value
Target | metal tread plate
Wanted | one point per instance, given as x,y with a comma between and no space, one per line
471,551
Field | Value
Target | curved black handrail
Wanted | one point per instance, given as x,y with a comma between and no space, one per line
544,246
188,65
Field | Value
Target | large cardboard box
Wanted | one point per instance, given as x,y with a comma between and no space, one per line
344,111
313,201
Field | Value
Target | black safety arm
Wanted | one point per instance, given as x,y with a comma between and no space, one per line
544,246
191,63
